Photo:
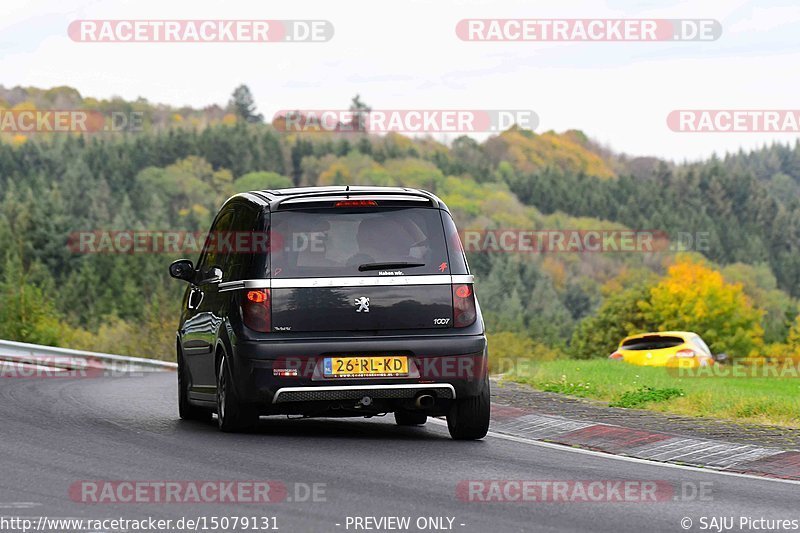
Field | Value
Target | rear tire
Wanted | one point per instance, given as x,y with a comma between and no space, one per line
232,416
407,418
468,418
186,410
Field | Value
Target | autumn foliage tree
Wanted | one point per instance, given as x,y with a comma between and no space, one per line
694,297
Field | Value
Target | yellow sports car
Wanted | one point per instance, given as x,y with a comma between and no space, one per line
666,348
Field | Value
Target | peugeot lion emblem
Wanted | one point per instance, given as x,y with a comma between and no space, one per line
362,305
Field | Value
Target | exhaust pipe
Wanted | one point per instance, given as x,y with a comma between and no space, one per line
424,401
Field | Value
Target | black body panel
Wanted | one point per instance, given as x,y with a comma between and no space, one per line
341,308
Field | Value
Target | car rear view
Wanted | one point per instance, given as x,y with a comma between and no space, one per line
670,348
364,305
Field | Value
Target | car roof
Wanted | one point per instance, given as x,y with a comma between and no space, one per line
295,195
685,335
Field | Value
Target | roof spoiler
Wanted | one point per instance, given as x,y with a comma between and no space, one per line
328,198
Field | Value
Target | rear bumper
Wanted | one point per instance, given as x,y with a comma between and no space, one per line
280,376
327,393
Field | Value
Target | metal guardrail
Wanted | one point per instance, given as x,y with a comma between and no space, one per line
22,352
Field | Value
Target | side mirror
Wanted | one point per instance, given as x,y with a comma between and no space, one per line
721,358
182,269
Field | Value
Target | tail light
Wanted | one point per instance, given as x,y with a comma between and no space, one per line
356,203
464,312
616,356
684,353
257,310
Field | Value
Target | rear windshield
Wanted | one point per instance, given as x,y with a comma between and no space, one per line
358,242
654,342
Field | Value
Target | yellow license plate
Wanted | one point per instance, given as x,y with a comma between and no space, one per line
354,367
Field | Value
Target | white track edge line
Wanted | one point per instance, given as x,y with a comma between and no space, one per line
564,447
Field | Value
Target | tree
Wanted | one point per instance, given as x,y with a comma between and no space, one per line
360,112
243,105
760,285
254,181
549,321
694,297
27,311
619,315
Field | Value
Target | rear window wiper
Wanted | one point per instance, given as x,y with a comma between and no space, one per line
386,266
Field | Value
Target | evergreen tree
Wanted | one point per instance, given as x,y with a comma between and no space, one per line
243,105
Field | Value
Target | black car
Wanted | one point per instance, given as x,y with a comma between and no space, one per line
332,301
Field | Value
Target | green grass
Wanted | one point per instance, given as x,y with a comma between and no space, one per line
645,395
763,400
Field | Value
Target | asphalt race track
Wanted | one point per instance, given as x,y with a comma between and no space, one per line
59,431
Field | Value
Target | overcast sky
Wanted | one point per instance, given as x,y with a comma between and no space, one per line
405,55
